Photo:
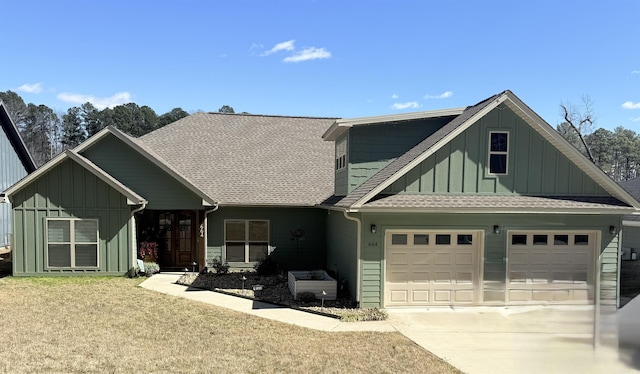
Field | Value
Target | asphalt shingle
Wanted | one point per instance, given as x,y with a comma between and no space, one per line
241,159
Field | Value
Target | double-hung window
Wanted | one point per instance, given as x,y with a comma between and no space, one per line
72,243
498,152
246,240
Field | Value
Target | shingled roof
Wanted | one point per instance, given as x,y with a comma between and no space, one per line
250,160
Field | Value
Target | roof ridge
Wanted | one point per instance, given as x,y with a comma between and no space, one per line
266,115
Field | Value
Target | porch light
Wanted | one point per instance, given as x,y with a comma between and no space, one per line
496,229
373,229
612,230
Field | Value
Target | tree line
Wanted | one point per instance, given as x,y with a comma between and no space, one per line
47,133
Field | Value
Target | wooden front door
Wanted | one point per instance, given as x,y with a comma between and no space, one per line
178,235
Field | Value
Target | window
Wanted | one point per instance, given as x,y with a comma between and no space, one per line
443,239
539,240
246,240
399,239
498,152
341,154
465,239
421,239
72,243
519,240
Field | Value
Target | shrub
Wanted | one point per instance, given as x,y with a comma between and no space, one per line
219,266
267,266
306,296
151,268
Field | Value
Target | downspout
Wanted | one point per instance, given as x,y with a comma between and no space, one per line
358,241
206,229
133,232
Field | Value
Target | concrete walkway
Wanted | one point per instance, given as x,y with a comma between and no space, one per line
475,340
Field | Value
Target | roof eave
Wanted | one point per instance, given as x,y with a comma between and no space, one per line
494,210
340,126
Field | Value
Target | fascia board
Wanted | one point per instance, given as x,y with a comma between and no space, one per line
341,125
445,140
132,197
588,167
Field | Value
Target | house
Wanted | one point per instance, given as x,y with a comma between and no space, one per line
631,224
483,205
16,163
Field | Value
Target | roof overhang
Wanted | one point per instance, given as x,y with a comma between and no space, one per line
340,126
132,197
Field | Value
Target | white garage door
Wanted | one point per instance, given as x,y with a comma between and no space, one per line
431,267
550,267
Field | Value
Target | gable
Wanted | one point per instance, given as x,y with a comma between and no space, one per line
140,174
534,166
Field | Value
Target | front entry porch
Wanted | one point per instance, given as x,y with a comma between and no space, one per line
177,235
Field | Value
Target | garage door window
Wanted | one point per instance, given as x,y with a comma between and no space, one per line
519,240
582,240
561,239
399,239
421,239
465,239
443,239
539,240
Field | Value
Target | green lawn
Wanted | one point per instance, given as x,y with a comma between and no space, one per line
98,325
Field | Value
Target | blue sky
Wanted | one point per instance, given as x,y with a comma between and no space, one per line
325,58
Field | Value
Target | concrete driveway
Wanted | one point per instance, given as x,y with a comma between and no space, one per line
517,340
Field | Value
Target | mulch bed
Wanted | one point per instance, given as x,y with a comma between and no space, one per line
274,290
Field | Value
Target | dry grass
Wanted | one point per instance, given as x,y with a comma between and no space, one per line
98,325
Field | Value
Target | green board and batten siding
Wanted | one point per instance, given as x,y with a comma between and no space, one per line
372,147
69,190
495,251
12,170
141,175
311,253
342,242
460,166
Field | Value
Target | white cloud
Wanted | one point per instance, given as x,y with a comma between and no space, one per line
31,88
307,54
99,102
443,95
637,119
631,105
284,46
411,104
635,72
394,96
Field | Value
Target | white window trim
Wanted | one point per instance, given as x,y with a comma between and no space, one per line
247,242
506,153
341,154
72,243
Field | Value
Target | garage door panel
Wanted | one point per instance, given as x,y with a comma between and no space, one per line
420,296
464,277
559,271
439,269
442,277
442,259
464,259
